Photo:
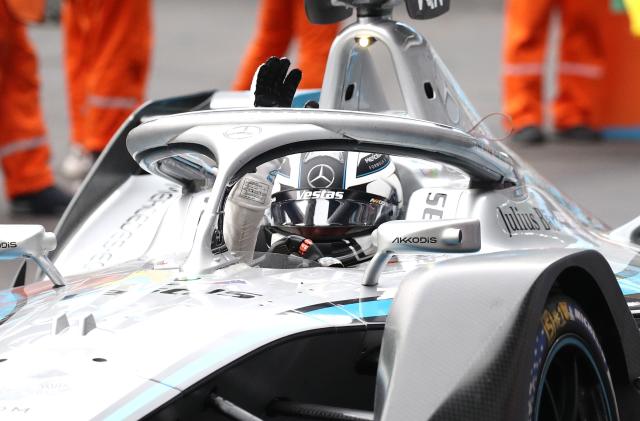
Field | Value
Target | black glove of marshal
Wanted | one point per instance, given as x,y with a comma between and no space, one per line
274,87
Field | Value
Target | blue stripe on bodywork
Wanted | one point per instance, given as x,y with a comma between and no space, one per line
362,309
195,368
629,279
8,303
137,402
629,284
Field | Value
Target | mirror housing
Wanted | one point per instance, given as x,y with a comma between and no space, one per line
414,237
30,242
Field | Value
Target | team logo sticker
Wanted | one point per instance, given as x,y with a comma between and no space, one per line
526,219
321,176
242,132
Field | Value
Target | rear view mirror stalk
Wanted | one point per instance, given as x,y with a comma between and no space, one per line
413,237
30,242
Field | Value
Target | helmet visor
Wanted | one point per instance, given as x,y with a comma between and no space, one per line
329,214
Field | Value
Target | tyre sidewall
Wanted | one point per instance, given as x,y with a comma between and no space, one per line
562,316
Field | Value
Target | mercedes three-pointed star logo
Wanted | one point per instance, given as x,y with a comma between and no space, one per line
242,132
321,176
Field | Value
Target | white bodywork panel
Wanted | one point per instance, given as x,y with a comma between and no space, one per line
122,228
155,336
130,331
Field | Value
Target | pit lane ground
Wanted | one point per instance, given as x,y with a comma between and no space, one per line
199,45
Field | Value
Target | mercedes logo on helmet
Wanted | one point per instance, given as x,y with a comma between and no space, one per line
321,176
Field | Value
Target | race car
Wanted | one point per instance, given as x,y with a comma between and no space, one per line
356,261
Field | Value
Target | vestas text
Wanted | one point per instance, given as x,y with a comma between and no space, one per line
319,194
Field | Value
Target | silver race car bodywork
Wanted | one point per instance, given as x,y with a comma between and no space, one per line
150,322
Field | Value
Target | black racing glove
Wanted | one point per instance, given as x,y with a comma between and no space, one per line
274,88
297,246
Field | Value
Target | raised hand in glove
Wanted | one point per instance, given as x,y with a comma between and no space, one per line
274,87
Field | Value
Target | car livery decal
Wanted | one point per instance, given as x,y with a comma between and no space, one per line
629,280
369,309
199,365
10,303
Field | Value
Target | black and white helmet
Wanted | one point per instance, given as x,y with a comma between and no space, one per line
334,197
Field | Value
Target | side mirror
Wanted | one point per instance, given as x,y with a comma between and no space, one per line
191,169
30,242
412,237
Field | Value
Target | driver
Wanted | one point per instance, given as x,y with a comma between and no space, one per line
318,205
326,204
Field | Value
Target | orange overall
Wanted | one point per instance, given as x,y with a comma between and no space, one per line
107,53
27,11
580,66
23,144
279,21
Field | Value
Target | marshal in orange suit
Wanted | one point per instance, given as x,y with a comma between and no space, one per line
580,67
280,21
107,53
24,150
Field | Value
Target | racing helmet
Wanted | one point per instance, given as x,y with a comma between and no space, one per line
335,199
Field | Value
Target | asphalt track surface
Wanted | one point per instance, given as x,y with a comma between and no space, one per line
199,44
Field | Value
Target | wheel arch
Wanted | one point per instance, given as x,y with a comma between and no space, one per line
485,312
589,280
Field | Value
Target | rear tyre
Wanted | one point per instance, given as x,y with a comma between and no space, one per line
570,378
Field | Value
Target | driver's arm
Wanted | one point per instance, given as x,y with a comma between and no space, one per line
246,205
251,196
